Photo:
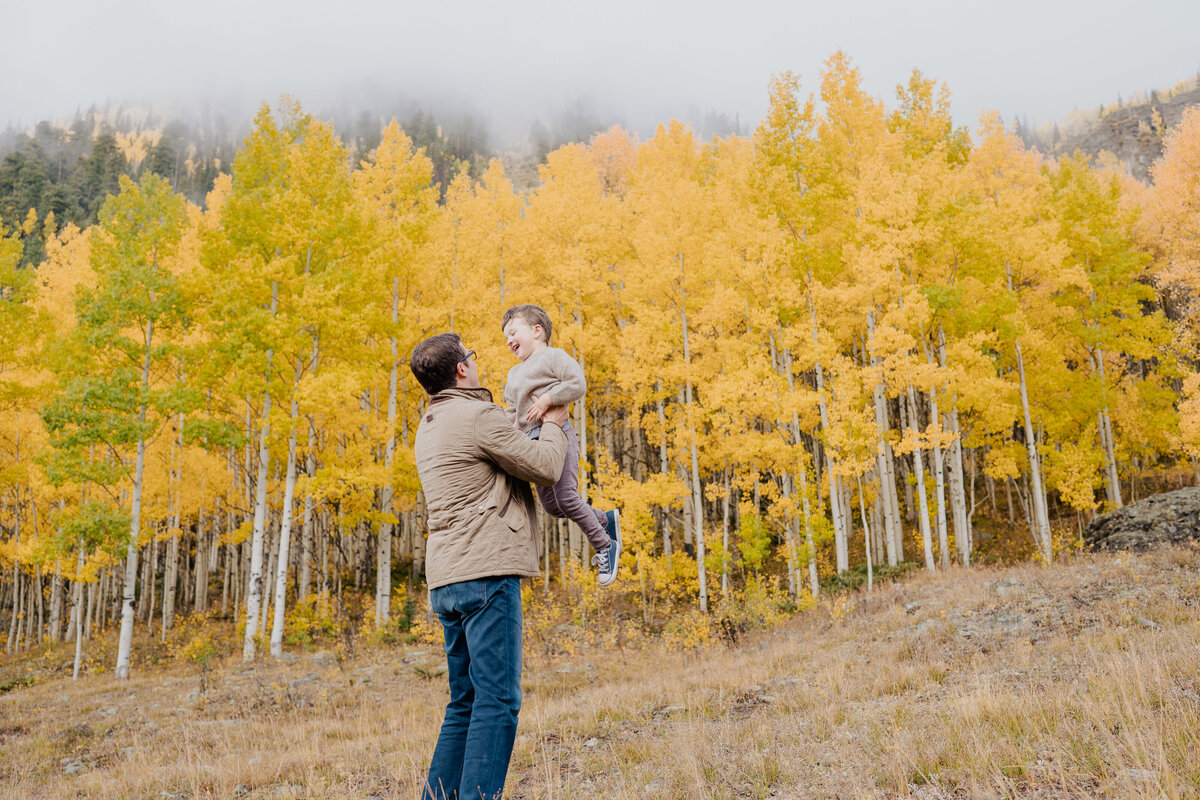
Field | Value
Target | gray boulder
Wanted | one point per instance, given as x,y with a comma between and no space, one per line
1162,519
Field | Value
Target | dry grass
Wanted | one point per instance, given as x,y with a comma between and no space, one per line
1079,680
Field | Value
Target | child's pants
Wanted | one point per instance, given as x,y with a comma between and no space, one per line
563,500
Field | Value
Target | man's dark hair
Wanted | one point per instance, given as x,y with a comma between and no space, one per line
434,361
533,315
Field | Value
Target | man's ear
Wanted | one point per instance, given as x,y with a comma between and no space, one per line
460,370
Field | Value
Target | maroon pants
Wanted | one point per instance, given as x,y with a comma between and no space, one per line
563,500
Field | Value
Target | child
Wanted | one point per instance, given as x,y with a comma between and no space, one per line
548,376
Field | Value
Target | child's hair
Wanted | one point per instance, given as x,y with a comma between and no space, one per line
533,315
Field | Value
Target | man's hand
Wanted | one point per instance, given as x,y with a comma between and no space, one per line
556,415
537,410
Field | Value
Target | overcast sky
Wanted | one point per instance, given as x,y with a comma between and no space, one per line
642,62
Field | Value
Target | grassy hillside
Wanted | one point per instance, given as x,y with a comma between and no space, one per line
1075,680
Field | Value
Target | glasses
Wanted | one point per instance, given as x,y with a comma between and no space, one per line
467,357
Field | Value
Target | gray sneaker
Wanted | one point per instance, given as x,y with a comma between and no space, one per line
609,559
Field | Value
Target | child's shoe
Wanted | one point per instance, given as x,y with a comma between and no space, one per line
609,559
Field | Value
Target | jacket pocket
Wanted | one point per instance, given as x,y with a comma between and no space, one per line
513,513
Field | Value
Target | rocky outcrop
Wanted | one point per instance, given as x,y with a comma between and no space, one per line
1133,133
1169,518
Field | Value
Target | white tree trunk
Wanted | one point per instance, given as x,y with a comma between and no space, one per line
697,507
664,463
1037,488
1112,481
255,587
79,613
893,529
285,528
919,465
789,536
56,606
304,581
835,498
383,558
862,505
725,539
125,640
699,534
958,494
814,582
939,471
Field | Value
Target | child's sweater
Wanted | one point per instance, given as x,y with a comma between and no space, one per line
548,371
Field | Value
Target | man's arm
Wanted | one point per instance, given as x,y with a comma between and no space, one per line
537,460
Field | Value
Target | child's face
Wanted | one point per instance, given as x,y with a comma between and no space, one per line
522,338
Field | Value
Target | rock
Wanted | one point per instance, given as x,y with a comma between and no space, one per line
1162,519
926,625
668,710
430,672
593,742
74,768
323,658
1005,586
912,608
74,733
1142,775
298,683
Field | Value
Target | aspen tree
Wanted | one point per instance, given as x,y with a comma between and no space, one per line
320,235
867,215
1173,217
109,401
675,209
787,172
246,260
395,191
1022,257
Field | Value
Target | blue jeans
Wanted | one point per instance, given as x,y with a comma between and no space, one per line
482,623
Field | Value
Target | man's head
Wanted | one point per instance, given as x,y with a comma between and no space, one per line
441,362
527,328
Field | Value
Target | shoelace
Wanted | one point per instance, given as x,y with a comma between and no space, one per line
601,559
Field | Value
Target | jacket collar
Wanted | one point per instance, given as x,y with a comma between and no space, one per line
468,394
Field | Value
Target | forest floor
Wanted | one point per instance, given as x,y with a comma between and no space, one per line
1081,679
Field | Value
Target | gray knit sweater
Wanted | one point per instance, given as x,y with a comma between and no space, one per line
549,370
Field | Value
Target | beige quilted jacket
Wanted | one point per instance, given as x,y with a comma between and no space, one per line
475,469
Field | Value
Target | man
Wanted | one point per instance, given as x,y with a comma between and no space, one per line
475,469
